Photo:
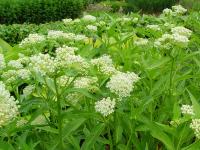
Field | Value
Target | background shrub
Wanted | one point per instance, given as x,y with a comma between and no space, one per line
150,5
39,11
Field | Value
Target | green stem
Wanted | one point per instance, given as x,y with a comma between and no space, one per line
59,115
110,138
171,77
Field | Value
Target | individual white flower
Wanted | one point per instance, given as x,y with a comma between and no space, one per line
89,18
167,11
106,106
181,31
104,65
187,109
32,39
42,63
92,28
67,21
141,41
195,125
154,27
28,90
2,62
178,9
8,106
85,82
16,64
122,83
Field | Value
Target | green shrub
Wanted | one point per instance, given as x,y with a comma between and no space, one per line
15,33
150,5
39,11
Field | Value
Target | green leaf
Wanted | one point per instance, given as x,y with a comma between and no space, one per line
92,138
72,126
195,104
194,146
5,146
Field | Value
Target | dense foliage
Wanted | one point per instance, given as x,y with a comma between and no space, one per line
39,11
114,83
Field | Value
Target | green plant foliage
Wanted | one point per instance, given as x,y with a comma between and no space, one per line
103,82
150,5
39,11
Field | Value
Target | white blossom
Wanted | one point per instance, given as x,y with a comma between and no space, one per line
181,31
178,9
195,125
91,28
104,64
16,64
187,109
8,106
85,82
122,83
28,90
32,39
141,41
89,18
2,62
106,106
154,27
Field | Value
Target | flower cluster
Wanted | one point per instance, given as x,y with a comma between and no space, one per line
32,39
89,18
105,106
43,64
141,41
85,82
104,64
2,62
28,90
122,83
176,10
195,125
187,109
154,27
91,28
8,106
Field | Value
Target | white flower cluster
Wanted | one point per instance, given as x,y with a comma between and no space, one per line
2,62
8,106
28,90
104,64
106,106
53,34
12,76
181,31
42,63
91,28
195,125
179,36
15,64
85,82
67,21
187,109
32,39
141,41
21,122
176,10
122,83
65,57
89,18
153,27
64,80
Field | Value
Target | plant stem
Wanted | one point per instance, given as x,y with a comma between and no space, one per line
59,116
110,138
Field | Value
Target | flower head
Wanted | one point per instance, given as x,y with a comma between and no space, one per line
105,106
